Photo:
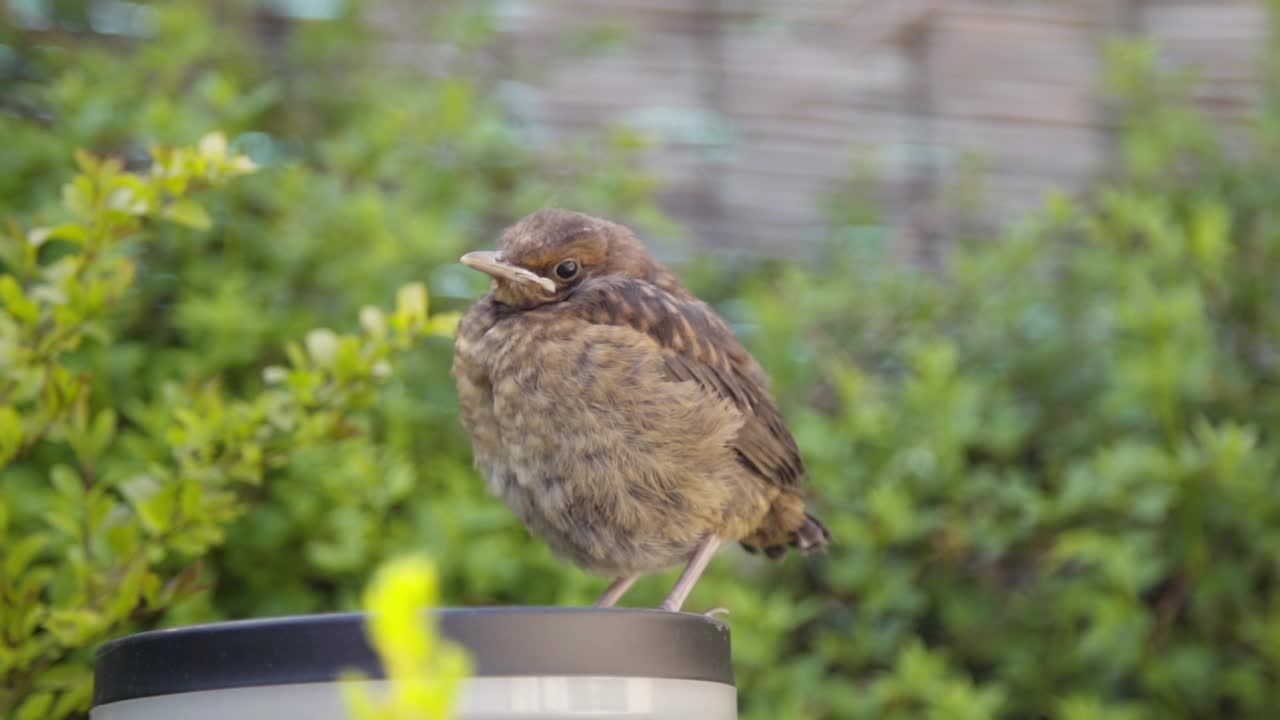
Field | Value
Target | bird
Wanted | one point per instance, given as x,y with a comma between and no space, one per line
616,414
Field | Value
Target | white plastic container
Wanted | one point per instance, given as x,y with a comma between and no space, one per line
531,663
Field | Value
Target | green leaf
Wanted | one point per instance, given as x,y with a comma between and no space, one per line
153,502
16,302
122,539
71,232
443,324
35,707
73,626
10,434
87,163
412,305
67,482
100,506
188,213
150,589
103,431
21,552
192,498
68,523
75,699
78,197
157,511
130,194
128,593
64,675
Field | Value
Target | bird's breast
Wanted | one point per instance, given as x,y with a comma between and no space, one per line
581,434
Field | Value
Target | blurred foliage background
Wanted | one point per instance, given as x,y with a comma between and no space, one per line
1050,466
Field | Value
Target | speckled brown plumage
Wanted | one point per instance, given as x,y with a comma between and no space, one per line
615,413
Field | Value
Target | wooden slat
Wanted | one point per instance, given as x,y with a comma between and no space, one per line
802,84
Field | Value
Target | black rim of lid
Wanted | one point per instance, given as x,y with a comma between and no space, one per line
502,642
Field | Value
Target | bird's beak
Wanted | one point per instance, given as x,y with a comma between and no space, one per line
492,263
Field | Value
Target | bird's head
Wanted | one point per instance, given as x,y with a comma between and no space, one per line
548,253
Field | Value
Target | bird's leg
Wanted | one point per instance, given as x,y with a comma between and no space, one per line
616,590
706,549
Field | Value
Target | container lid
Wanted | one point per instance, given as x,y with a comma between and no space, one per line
620,642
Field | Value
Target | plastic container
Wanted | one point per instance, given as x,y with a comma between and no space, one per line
529,663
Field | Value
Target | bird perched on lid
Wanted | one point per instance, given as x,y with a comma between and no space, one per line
616,414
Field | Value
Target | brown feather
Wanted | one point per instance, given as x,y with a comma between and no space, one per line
686,330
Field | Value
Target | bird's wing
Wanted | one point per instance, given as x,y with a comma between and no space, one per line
698,346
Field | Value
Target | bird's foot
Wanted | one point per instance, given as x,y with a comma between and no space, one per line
714,613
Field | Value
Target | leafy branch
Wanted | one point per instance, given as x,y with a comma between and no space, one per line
109,528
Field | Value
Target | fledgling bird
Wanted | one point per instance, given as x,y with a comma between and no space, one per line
616,414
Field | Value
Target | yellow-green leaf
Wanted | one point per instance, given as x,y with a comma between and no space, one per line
65,675
78,195
189,214
35,707
213,146
20,553
87,163
16,302
66,482
443,324
10,433
74,700
103,431
411,304
73,626
72,232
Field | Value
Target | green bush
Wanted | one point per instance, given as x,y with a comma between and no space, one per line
103,521
1052,472
1050,469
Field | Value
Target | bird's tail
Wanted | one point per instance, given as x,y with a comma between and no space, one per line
788,525
812,536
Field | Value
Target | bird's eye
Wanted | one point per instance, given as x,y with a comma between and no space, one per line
566,270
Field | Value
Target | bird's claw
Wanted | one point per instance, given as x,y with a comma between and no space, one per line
715,612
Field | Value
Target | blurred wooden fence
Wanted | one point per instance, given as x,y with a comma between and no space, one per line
765,104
